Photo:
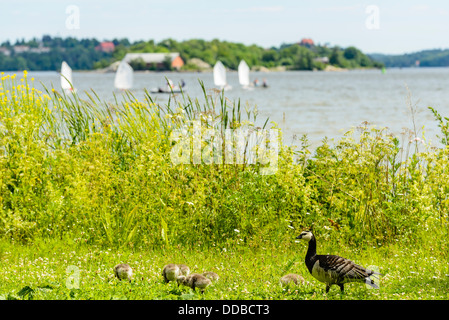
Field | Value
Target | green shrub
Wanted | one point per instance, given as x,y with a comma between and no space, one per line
89,172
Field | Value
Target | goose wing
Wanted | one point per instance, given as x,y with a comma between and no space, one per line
342,268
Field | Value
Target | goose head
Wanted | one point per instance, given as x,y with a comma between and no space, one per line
305,235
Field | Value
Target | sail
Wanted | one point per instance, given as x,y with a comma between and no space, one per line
219,74
243,73
124,76
66,76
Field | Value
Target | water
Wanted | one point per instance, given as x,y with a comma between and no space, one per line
318,104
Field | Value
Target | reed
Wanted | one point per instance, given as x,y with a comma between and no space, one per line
102,173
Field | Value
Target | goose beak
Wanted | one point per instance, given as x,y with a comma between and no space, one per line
299,237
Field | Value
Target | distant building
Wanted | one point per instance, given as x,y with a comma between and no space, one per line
324,60
5,51
40,49
177,63
307,42
21,49
105,46
156,59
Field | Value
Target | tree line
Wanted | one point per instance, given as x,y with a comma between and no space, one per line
424,58
83,55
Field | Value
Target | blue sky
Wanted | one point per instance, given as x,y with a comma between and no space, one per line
404,26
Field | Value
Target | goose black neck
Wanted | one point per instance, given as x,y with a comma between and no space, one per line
311,251
311,254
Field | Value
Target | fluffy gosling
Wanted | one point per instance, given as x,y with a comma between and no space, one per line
195,280
211,275
183,270
292,278
123,271
170,272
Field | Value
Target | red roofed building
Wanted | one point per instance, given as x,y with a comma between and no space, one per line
177,63
105,46
307,42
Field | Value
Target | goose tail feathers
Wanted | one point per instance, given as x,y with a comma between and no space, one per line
371,283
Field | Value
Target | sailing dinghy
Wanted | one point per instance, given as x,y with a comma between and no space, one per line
66,78
124,76
220,76
243,70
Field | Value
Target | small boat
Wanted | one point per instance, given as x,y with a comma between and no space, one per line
170,88
220,76
243,71
124,76
258,85
66,78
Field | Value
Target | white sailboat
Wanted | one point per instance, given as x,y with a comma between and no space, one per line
220,76
124,76
244,74
66,78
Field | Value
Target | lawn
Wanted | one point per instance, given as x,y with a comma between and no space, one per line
85,185
55,270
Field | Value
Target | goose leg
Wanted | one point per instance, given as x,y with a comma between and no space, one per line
327,288
341,287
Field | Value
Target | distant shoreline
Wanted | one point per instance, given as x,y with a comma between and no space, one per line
97,71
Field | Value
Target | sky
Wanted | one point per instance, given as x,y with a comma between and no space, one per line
375,26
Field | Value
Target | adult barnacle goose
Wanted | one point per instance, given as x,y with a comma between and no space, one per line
332,269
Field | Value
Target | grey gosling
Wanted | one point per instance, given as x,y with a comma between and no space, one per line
183,270
123,271
291,278
211,275
332,269
195,280
171,272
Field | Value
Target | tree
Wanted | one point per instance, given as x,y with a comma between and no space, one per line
138,64
336,57
351,53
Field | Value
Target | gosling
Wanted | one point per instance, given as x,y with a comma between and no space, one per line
183,270
291,278
195,280
171,272
123,271
211,275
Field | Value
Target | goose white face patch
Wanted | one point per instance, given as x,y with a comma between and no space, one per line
306,236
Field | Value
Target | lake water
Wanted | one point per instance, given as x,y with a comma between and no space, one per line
318,104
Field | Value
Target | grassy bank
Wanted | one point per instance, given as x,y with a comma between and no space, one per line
91,184
49,271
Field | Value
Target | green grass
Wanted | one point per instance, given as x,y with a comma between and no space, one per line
39,271
85,185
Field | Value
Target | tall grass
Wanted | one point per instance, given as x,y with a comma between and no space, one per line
86,171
